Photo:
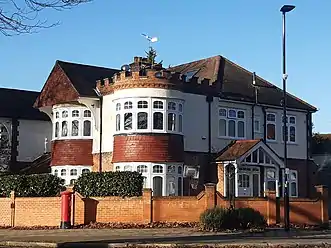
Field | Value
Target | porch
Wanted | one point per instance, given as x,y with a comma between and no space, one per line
249,168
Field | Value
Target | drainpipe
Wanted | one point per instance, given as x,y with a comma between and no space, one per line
308,137
100,127
209,99
264,124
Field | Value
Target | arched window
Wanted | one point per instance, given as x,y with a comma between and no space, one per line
171,106
127,121
118,106
73,172
293,183
142,104
180,107
64,114
75,128
56,173
75,113
63,172
158,120
171,186
158,105
118,122
87,113
145,182
128,105
72,181
157,169
142,120
142,168
180,170
84,171
172,122
64,128
117,168
87,128
57,128
127,168
57,115
171,169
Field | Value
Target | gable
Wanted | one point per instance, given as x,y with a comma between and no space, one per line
57,89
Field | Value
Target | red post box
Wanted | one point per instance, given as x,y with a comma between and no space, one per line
65,210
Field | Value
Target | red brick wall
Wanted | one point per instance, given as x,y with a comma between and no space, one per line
72,152
5,211
145,209
106,163
37,211
57,89
177,209
148,147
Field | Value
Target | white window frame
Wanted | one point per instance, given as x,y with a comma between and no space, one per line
289,125
68,177
271,122
149,174
290,181
227,119
69,119
150,110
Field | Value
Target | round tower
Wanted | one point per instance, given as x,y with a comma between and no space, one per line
146,107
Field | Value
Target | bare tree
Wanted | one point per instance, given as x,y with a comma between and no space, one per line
22,16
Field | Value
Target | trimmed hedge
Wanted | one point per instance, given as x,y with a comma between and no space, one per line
42,185
218,219
119,183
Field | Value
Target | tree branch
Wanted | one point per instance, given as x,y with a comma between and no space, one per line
21,16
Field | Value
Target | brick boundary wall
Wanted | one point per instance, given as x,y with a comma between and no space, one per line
45,211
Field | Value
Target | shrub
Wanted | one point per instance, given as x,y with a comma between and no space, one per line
117,183
42,185
218,219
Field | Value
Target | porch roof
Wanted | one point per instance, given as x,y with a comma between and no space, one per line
236,149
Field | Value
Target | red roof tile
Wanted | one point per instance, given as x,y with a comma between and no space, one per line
236,149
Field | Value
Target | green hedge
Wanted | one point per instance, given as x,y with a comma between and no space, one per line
124,184
218,219
42,185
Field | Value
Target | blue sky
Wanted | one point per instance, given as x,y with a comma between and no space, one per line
107,33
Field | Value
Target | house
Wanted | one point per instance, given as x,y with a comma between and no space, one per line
24,131
180,127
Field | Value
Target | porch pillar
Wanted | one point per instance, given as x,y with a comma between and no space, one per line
271,207
210,195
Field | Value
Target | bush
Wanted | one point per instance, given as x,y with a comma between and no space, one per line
117,183
42,185
218,219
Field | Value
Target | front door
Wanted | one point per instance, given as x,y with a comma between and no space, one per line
244,187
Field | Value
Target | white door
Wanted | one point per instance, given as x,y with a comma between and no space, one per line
244,187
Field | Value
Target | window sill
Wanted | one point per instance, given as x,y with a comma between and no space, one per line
272,141
142,131
291,143
74,138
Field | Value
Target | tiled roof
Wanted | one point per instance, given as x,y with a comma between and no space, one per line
237,82
83,77
236,149
19,104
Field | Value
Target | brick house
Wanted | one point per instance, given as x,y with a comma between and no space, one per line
180,127
24,132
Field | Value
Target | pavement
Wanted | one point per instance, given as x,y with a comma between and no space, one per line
163,237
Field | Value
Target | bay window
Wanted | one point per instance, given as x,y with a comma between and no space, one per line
231,123
148,115
72,122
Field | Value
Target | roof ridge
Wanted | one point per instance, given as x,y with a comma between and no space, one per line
81,64
24,90
199,60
